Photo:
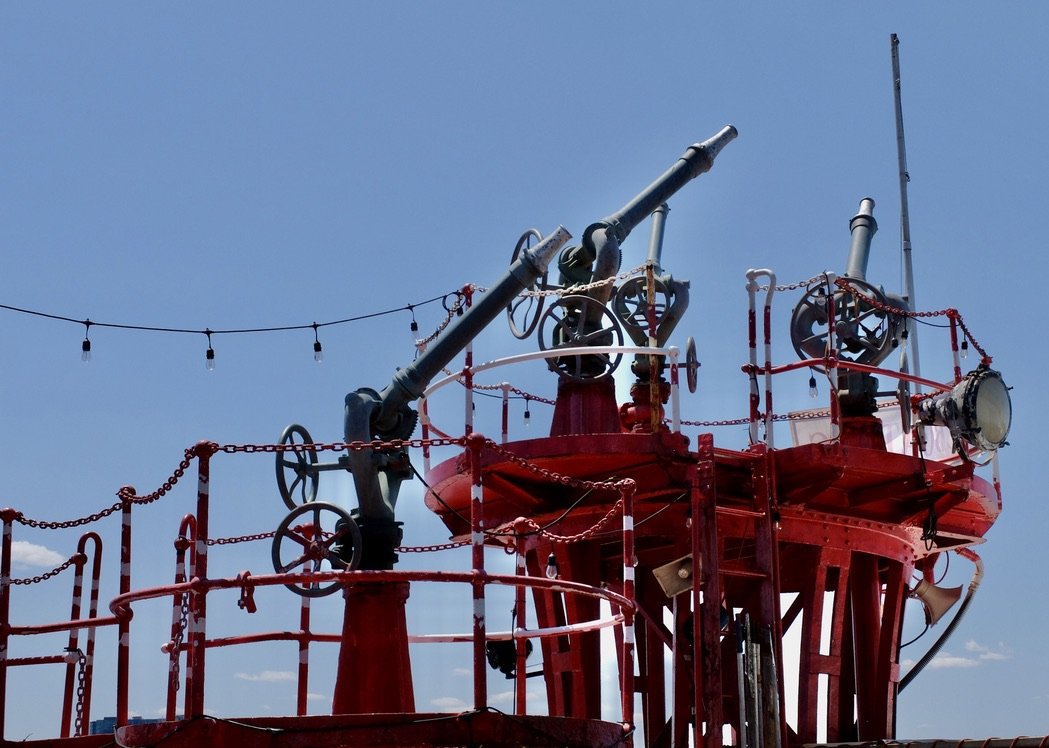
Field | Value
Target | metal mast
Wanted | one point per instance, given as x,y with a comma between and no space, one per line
905,221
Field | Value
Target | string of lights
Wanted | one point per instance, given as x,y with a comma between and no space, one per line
209,355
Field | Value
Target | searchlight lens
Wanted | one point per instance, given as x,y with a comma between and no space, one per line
977,409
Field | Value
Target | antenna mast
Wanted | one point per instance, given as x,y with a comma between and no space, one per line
905,221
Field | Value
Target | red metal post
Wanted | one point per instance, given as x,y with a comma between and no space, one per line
706,600
183,544
124,625
5,610
198,606
71,646
475,443
304,656
521,619
92,613
626,489
954,345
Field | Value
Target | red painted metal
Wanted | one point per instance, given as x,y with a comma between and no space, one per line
829,531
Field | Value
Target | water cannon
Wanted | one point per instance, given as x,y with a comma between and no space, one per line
586,318
368,536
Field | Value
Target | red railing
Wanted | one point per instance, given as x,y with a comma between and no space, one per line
189,642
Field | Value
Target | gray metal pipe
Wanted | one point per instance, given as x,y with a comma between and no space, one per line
863,227
409,383
655,242
601,240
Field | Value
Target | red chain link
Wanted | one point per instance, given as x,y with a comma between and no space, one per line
126,495
355,446
431,548
587,534
950,313
553,477
48,575
241,538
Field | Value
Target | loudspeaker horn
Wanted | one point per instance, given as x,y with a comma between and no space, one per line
936,600
675,577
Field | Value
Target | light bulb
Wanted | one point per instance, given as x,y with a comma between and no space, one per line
318,352
551,567
813,392
527,417
965,348
209,359
415,330
85,351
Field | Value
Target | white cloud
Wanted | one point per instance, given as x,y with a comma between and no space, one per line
267,676
463,672
947,660
986,653
29,554
317,697
503,697
449,704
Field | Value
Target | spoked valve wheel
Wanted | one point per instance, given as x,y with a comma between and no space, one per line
316,536
297,476
631,304
578,321
524,311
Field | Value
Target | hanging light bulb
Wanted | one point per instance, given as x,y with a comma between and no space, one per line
551,567
209,356
813,392
318,352
527,414
414,327
85,347
965,347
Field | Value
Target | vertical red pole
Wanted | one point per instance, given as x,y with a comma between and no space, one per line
752,342
304,656
767,322
124,626
182,545
521,616
5,611
706,600
424,420
92,613
953,316
475,443
506,413
198,610
626,489
468,375
72,644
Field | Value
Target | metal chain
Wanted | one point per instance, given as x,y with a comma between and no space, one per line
572,290
587,534
799,284
431,548
421,343
47,575
950,313
355,446
241,538
126,494
81,688
176,643
553,477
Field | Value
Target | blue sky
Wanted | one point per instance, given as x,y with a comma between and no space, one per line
255,165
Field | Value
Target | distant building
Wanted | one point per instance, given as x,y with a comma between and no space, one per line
107,725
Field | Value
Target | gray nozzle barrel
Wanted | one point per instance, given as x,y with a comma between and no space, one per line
409,383
696,160
863,227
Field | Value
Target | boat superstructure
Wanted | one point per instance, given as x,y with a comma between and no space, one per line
749,595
